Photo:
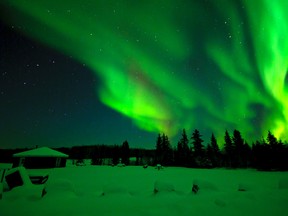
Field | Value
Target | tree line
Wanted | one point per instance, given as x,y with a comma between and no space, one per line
267,154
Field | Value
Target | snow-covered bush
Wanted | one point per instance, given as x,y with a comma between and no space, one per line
120,165
114,188
61,188
199,185
160,186
159,167
244,187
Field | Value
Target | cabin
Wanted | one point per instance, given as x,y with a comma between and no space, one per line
40,158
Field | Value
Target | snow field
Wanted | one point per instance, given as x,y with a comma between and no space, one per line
104,190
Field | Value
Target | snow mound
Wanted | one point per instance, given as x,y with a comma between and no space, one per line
30,192
62,185
20,186
220,202
114,189
200,185
283,184
61,188
160,186
244,187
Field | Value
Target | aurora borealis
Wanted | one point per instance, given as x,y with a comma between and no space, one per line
169,65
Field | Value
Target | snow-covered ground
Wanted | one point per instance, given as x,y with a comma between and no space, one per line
131,191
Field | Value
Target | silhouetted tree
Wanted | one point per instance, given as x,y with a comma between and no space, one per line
167,151
81,152
97,155
159,150
183,153
228,150
213,152
282,158
179,154
246,157
115,154
125,151
164,151
271,139
273,149
261,155
238,143
197,147
277,157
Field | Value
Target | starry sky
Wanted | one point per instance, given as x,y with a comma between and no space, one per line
101,72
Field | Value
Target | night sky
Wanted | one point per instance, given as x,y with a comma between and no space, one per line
101,72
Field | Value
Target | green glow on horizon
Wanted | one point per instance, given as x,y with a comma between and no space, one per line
140,60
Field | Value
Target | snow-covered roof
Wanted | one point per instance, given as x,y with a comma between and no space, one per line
40,152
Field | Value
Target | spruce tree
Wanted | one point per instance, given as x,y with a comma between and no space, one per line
238,143
261,155
115,154
165,142
276,151
183,151
210,155
198,148
167,157
271,139
125,150
213,151
159,149
179,154
228,149
246,155
184,140
214,144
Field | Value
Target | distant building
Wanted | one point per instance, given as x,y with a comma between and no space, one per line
40,158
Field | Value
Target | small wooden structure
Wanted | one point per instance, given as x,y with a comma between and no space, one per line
40,158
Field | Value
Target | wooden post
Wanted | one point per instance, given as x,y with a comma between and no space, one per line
2,176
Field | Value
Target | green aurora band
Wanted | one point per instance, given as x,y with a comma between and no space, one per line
159,60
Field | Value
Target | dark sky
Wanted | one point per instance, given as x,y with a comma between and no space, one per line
96,73
49,99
